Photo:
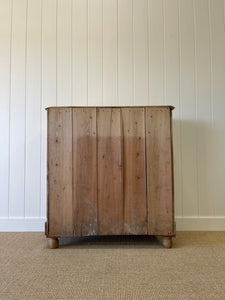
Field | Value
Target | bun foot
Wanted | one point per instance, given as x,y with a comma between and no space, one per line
166,241
53,243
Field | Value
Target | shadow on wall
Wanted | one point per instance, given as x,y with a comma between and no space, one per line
199,163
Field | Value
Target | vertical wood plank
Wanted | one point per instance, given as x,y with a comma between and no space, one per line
110,178
60,172
156,52
5,37
125,52
134,173
159,171
188,108
95,52
33,113
64,52
79,52
84,172
140,25
48,90
172,82
218,102
203,109
110,57
17,113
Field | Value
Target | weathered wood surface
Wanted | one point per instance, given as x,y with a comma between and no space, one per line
84,172
134,173
60,215
110,171
159,171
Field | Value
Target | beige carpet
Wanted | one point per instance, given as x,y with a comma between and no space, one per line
113,268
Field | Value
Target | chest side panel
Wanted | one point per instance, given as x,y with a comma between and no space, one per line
60,172
159,171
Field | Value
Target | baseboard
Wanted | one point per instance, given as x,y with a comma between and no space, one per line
200,223
182,224
22,224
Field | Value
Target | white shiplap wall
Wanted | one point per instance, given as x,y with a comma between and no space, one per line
113,52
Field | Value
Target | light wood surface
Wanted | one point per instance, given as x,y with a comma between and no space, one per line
60,176
134,173
159,171
84,172
110,172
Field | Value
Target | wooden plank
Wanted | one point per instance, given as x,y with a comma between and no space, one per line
64,65
188,109
110,179
159,171
48,84
217,146
125,52
33,112
95,52
172,76
110,57
84,172
79,52
60,172
205,164
5,35
140,59
156,52
17,109
134,174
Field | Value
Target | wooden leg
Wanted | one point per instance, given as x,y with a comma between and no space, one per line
53,243
166,241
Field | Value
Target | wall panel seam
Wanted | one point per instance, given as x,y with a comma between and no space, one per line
87,1
180,105
196,102
164,60
117,49
71,51
41,105
148,49
56,50
10,96
133,50
25,113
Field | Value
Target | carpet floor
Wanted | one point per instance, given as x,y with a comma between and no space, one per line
112,267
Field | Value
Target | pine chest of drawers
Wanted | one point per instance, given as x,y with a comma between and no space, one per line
110,172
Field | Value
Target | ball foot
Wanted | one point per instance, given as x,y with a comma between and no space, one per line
166,241
53,243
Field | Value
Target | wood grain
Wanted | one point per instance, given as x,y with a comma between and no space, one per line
60,172
134,173
84,172
110,171
110,193
159,171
